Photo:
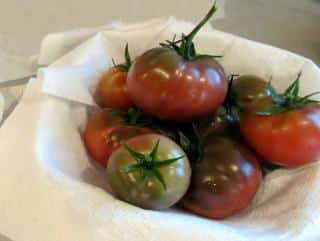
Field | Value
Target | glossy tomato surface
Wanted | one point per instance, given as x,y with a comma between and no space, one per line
222,125
224,181
248,89
150,193
105,132
163,84
290,139
112,90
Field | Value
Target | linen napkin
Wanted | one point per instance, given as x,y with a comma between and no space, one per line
51,191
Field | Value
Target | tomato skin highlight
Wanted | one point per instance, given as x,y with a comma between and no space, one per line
163,84
248,89
224,181
288,139
112,90
149,194
105,132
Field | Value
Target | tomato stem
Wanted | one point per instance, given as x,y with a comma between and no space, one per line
128,62
191,141
230,104
148,165
186,48
194,32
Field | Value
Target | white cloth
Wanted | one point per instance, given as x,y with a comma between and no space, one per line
50,191
13,67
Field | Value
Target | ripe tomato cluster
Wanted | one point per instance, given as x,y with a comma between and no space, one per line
174,129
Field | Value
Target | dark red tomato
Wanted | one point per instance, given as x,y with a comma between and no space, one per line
222,125
224,181
112,90
249,88
105,132
164,84
290,138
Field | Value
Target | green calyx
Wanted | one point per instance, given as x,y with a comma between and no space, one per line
134,116
128,62
185,46
287,101
148,165
230,104
189,138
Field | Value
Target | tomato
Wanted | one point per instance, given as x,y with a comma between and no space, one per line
112,90
163,84
173,82
105,132
285,129
242,92
224,181
151,172
249,88
223,125
290,138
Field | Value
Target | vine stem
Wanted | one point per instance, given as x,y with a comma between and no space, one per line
189,38
185,46
193,33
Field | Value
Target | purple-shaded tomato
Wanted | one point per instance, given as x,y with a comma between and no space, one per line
224,181
162,83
